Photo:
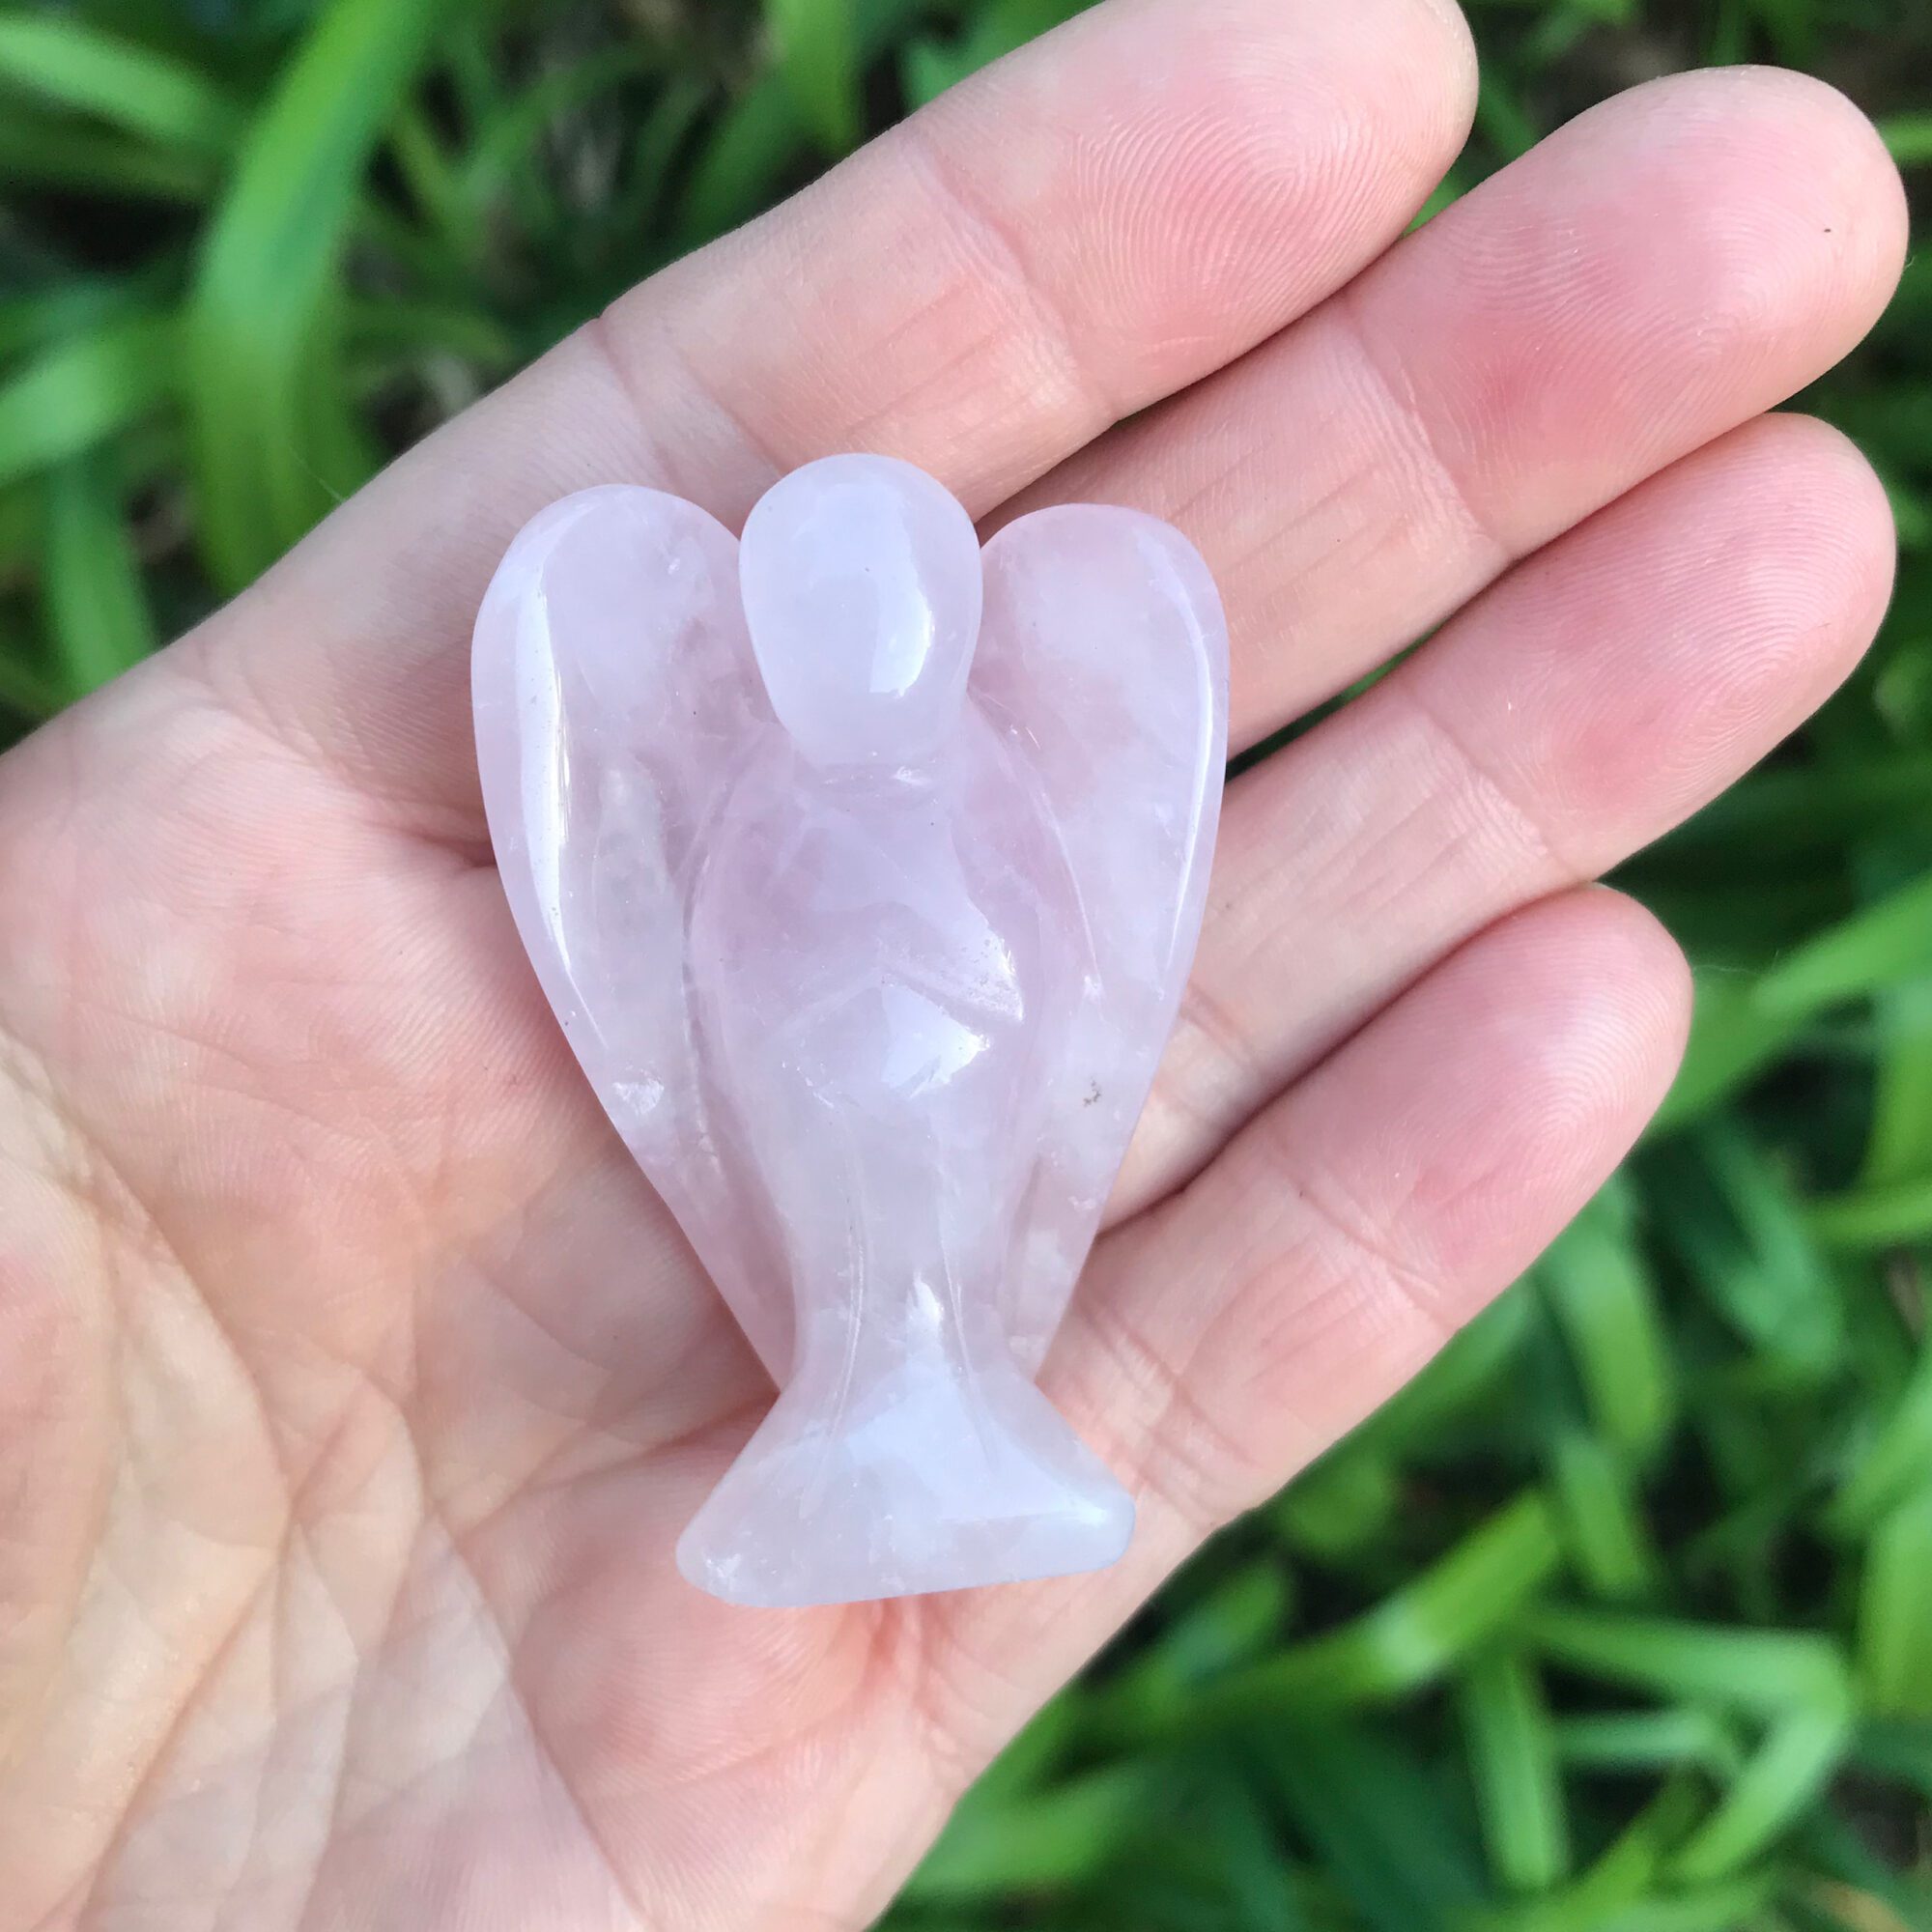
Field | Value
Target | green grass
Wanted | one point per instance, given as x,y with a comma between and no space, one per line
1621,1619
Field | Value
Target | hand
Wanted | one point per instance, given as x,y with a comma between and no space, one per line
355,1385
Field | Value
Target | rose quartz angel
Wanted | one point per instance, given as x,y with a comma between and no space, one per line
864,869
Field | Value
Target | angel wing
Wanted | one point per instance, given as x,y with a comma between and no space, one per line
1103,658
615,697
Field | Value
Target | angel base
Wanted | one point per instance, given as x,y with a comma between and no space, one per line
923,1478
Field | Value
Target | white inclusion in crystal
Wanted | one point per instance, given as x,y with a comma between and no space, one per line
927,1046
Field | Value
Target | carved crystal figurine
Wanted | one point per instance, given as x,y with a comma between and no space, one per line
864,868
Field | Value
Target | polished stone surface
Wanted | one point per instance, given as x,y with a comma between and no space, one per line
862,868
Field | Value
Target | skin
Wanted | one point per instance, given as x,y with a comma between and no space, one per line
353,1384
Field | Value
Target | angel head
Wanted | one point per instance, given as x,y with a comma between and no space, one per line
863,590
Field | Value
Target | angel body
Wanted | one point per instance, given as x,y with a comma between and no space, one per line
868,939
887,962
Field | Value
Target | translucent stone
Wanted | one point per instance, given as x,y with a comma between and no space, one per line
864,869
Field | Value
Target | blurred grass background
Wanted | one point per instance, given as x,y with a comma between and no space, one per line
1620,1620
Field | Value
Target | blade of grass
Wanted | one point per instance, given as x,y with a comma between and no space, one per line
1053,1837
1624,1872
1512,1749
1902,1753
83,390
269,412
37,150
1604,1302
1881,1217
1502,118
1886,943
1611,1545
757,143
1216,1864
26,691
1038,1752
1732,930
1790,1769
1379,1823
764,139
1894,1465
1766,1672
662,136
76,67
1743,1025
1900,1147
1346,1502
1246,1857
504,144
96,605
1410,1638
1909,136
818,47
1633,1742
19,534
1744,1244
1241,1616
1807,813
55,311
472,333
1718,1908
429,172
1895,1612
930,66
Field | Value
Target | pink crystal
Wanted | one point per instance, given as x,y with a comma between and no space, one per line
862,868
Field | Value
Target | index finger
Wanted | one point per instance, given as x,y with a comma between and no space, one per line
1091,225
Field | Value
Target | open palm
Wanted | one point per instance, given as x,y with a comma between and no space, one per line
354,1385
